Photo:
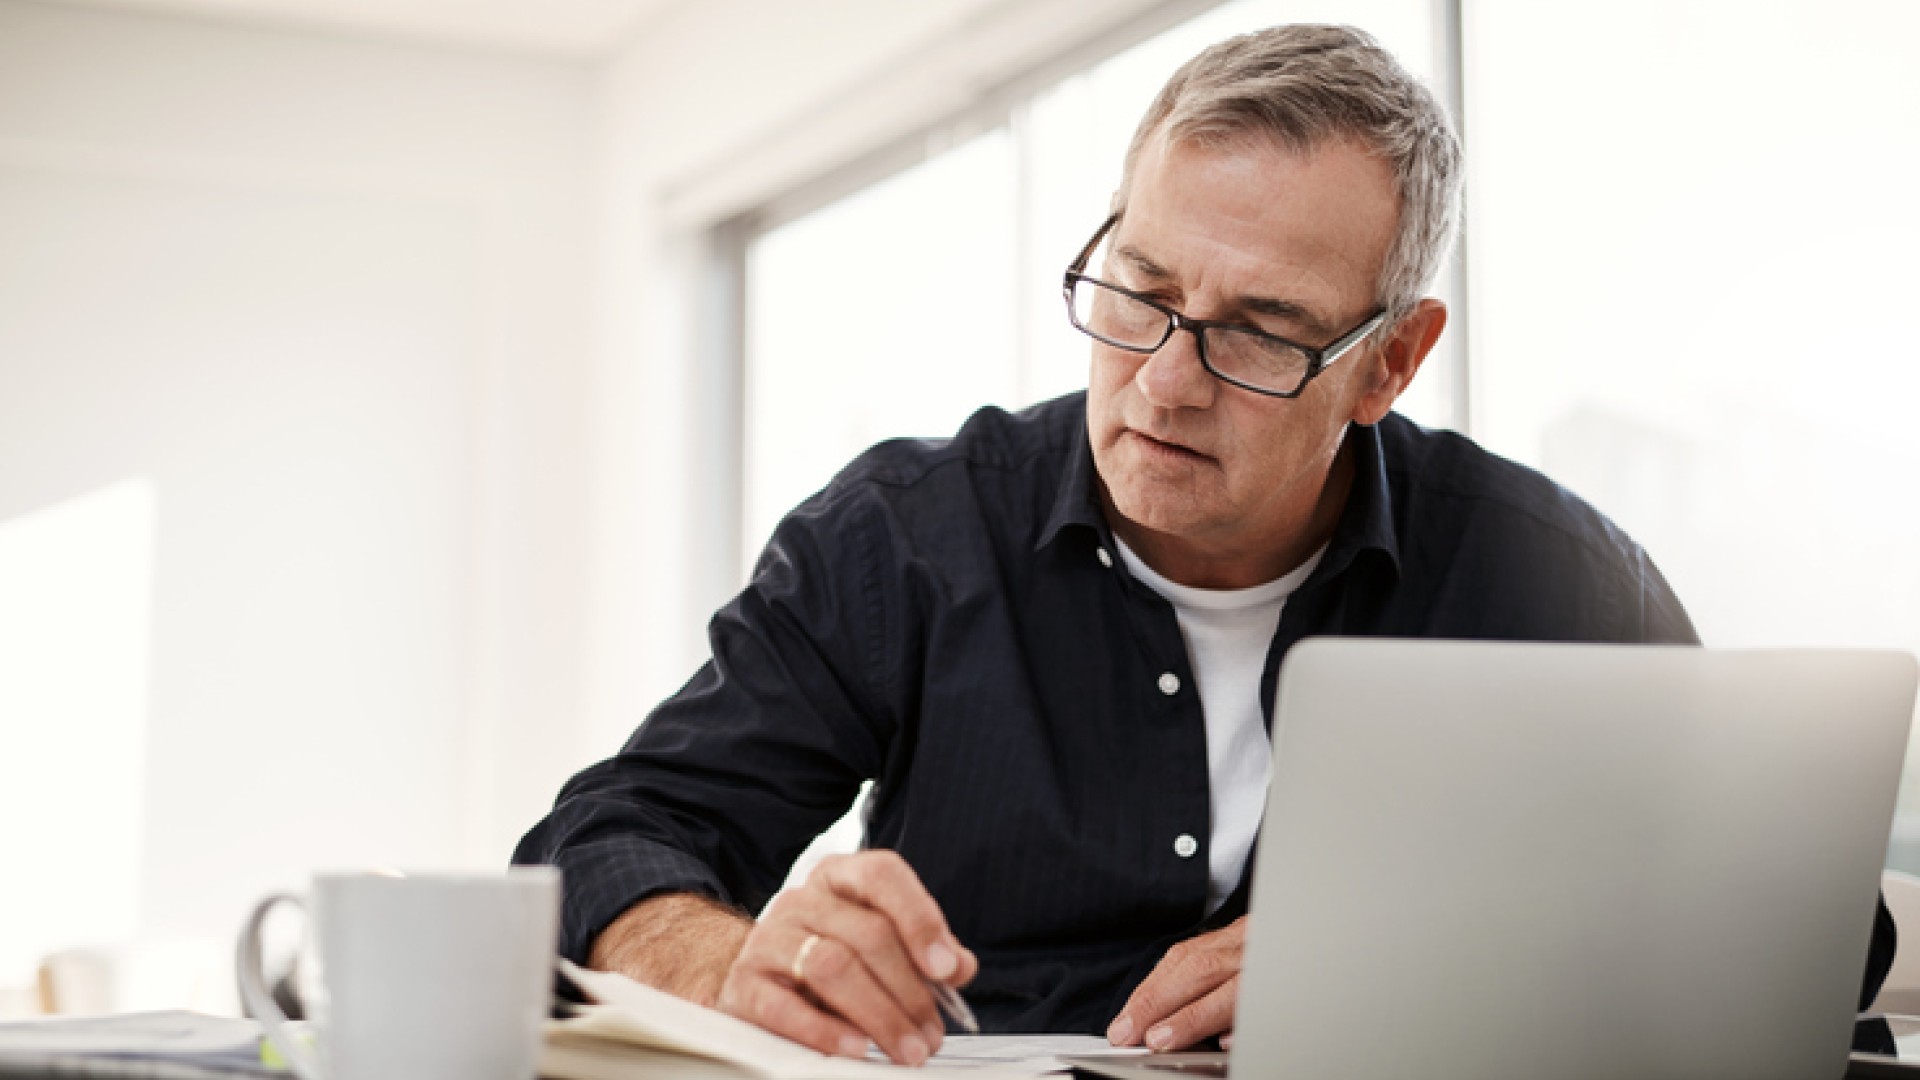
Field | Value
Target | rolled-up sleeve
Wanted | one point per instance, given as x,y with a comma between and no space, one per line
724,785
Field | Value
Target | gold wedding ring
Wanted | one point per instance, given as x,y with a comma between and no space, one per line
799,968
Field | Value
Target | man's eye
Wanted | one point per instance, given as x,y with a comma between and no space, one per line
1285,333
1146,292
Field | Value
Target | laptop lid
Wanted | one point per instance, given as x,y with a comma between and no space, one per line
1487,860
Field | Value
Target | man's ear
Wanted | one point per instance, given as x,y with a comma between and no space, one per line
1397,358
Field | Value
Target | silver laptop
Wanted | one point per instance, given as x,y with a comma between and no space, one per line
1483,861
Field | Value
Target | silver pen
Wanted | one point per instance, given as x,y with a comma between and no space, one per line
954,1006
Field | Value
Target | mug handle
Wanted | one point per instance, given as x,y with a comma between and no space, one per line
259,1001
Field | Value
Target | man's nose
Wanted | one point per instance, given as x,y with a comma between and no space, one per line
1173,376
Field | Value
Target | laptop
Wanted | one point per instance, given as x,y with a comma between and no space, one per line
1483,861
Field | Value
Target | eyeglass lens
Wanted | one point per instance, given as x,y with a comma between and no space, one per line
1119,319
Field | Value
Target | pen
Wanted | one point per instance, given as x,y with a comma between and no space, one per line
954,1006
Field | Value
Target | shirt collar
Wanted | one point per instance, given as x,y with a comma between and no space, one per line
1366,523
1074,501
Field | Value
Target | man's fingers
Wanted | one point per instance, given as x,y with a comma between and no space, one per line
969,967
1210,1015
838,977
1189,972
1185,976
785,1011
882,880
834,978
871,937
854,947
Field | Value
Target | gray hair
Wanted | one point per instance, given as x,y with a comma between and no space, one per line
1305,86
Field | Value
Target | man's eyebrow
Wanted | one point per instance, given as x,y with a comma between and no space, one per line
1272,307
1139,260
1287,309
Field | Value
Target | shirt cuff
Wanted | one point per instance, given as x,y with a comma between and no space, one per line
601,879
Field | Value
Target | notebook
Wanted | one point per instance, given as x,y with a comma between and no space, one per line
631,1032
174,1045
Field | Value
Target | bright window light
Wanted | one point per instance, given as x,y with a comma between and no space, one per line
1693,228
888,313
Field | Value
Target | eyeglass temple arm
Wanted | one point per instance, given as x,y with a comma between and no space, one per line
1080,261
1323,357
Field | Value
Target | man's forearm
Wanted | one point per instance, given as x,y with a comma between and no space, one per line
682,943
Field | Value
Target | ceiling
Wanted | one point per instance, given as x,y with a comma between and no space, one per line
561,28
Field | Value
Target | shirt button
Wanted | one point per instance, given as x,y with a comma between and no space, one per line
1169,684
1185,845
1106,560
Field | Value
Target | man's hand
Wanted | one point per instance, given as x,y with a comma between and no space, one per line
845,959
1189,996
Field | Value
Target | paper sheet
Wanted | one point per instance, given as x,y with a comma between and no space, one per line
153,1033
157,1045
643,1016
1034,1055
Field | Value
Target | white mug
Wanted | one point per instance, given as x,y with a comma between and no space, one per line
435,977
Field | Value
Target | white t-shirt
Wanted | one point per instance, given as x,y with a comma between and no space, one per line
1227,632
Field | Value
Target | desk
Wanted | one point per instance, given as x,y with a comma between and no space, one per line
1876,1034
1855,1071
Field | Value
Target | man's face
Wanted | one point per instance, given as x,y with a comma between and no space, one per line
1287,243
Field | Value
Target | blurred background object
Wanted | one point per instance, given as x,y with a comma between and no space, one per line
137,977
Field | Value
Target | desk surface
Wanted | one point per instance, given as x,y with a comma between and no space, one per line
1883,1035
1857,1070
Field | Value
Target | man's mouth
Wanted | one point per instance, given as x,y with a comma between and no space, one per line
1163,446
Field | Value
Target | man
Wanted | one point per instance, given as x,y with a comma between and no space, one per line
1051,641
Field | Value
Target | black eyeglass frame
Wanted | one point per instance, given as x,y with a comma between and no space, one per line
1318,359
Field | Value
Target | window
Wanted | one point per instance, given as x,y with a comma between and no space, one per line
1689,291
888,313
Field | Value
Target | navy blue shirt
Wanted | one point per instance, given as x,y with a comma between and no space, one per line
946,619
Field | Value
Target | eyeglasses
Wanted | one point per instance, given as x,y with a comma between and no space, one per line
1233,353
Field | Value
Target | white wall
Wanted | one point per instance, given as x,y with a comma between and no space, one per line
329,299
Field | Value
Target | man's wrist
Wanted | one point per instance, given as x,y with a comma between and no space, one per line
683,943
